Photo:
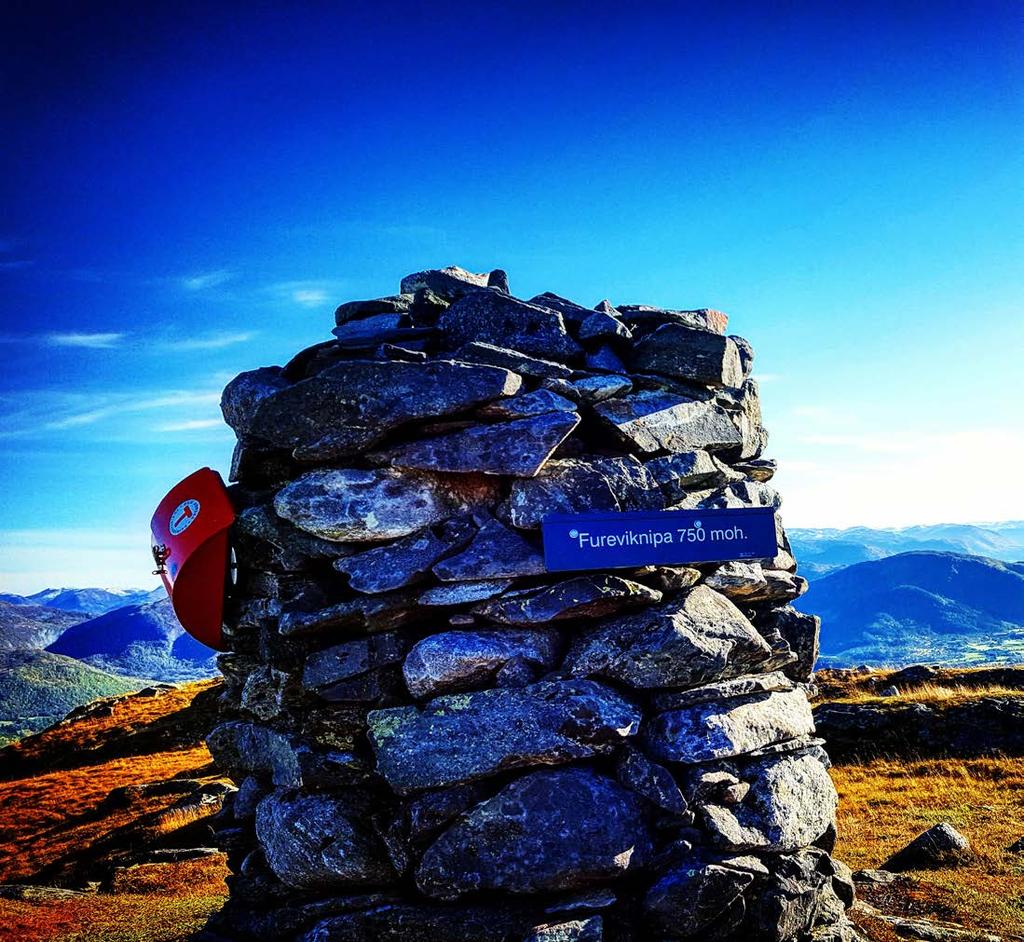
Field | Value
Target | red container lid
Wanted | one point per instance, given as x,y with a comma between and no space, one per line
190,532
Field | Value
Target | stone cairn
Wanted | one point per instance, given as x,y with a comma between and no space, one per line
435,739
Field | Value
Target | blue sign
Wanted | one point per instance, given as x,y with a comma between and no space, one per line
657,538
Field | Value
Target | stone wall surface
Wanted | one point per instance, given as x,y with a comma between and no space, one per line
434,738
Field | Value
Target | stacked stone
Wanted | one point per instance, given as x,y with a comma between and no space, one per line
436,739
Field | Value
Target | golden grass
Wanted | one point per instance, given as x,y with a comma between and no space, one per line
884,803
932,693
43,817
129,917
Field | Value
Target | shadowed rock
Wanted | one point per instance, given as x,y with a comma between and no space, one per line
583,597
514,360
692,897
653,421
395,304
577,486
314,841
496,552
523,405
243,395
517,448
350,406
649,780
323,669
645,318
349,504
697,638
717,730
463,593
697,356
552,830
404,562
463,660
463,737
493,317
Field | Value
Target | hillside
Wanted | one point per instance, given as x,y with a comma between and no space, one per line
103,799
822,551
942,608
142,640
38,688
33,626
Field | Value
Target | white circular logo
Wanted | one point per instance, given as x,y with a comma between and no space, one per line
184,516
573,534
697,523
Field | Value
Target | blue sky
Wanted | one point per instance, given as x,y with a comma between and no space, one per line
187,191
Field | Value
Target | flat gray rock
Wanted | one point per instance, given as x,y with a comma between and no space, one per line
552,830
351,405
464,660
718,730
515,360
464,737
593,389
496,552
572,312
685,471
314,841
323,669
523,405
493,317
351,310
693,897
404,562
721,690
791,803
697,356
464,593
644,317
694,639
518,449
575,485
347,504
591,596
451,282
368,614
653,421
739,580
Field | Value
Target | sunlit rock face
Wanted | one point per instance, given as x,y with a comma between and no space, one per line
435,737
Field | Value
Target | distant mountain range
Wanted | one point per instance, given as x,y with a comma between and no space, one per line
33,626
937,608
90,601
823,551
141,640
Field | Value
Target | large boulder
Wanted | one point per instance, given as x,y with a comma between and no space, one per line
575,485
717,730
347,504
697,356
548,831
653,421
496,552
694,639
463,660
496,318
693,897
791,803
517,448
941,845
463,737
592,596
351,405
314,841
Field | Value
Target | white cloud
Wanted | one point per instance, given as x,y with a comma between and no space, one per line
91,341
191,425
309,294
208,279
210,342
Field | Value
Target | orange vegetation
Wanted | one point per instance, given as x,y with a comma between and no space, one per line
886,802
